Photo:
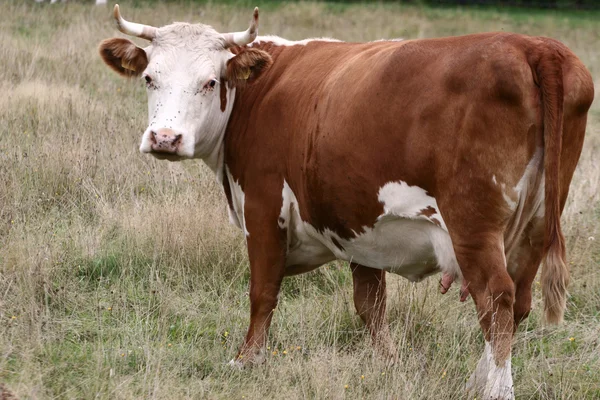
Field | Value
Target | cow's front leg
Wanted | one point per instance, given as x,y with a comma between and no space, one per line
266,251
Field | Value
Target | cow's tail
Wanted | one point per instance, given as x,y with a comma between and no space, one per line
555,274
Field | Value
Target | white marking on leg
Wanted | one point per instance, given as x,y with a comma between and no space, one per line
499,383
495,382
478,379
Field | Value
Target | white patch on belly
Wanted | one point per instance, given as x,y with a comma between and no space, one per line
402,200
305,245
410,238
236,216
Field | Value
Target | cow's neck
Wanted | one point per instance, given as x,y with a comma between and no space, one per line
245,98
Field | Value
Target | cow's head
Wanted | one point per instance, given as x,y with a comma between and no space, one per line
191,75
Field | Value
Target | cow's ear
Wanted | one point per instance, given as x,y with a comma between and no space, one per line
247,66
123,56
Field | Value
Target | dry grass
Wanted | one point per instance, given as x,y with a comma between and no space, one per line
121,278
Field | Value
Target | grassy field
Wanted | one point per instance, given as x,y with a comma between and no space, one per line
121,278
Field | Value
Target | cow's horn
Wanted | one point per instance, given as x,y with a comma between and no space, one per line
131,28
243,38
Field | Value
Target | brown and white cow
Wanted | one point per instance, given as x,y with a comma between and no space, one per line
411,157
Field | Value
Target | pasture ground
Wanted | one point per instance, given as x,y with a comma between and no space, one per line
121,278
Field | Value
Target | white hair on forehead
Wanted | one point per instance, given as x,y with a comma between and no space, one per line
194,36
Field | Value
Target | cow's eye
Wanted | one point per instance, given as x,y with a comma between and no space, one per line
211,84
148,79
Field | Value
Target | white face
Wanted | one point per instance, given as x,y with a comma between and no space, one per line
184,98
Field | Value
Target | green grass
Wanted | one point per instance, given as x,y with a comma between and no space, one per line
121,278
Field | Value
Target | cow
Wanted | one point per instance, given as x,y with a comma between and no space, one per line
414,157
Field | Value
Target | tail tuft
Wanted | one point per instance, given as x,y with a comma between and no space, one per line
555,279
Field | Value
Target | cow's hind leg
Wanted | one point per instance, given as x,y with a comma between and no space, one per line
370,303
523,265
482,261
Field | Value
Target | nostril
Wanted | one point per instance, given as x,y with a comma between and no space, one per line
164,140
